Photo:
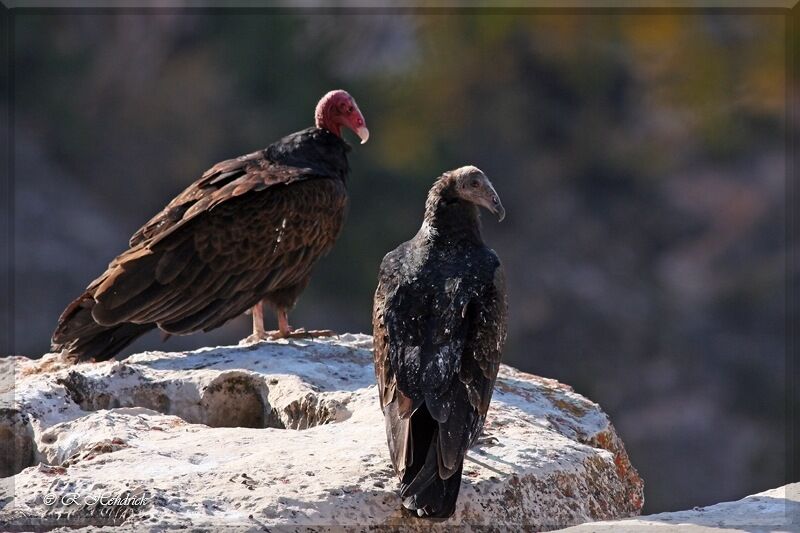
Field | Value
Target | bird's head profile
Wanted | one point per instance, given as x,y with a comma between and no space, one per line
469,183
336,109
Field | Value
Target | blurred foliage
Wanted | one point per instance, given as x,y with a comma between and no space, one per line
640,158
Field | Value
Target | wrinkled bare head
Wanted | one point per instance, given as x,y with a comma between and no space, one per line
337,109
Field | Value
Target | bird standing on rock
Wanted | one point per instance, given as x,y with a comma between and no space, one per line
248,232
439,324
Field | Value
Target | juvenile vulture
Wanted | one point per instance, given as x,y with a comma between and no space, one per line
248,232
439,324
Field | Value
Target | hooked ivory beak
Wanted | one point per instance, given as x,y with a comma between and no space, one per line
363,134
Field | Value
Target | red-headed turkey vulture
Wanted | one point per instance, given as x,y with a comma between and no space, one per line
439,323
248,232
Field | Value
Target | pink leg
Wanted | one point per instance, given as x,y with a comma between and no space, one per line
284,329
258,324
258,321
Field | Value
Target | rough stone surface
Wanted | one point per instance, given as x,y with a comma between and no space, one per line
287,435
775,510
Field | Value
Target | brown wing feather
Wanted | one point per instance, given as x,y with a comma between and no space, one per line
395,405
380,340
256,228
224,180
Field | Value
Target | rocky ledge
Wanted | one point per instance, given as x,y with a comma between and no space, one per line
281,435
774,511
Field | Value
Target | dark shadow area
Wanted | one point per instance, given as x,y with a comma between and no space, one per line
17,447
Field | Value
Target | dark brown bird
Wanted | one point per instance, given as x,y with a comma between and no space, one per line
247,232
439,325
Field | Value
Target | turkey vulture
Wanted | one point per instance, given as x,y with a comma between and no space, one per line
248,232
439,325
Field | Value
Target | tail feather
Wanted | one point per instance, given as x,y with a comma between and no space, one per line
83,339
423,491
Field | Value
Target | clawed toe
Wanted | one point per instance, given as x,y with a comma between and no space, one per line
299,333
302,333
322,333
276,335
256,338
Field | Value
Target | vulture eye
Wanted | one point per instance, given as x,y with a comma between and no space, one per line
349,110
474,184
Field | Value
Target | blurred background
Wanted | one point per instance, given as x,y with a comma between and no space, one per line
641,160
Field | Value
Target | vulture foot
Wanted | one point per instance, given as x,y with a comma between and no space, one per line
302,333
263,336
255,338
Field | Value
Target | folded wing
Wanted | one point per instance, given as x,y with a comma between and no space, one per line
247,227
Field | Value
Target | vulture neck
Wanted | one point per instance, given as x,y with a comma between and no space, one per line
451,221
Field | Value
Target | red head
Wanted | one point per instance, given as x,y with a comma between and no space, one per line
337,109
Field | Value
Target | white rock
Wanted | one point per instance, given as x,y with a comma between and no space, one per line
773,510
155,426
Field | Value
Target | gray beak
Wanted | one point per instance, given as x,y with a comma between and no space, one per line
499,210
492,202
